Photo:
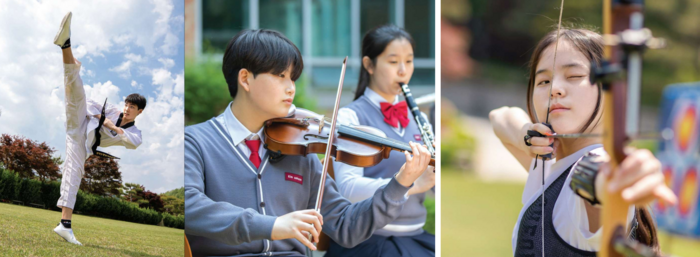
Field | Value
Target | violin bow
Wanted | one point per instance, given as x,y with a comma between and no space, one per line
331,136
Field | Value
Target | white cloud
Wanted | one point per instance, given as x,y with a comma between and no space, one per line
136,84
134,57
110,38
167,62
124,70
100,91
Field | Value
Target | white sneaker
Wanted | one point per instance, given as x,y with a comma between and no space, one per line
66,233
64,31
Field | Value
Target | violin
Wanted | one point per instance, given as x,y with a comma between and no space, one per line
305,132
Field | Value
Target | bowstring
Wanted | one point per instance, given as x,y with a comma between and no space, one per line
549,102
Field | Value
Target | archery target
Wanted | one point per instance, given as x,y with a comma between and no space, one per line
686,127
668,179
688,194
679,154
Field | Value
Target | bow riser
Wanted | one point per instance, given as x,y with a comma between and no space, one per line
616,18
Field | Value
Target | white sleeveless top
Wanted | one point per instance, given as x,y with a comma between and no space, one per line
570,217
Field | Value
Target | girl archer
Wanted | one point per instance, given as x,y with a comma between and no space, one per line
571,225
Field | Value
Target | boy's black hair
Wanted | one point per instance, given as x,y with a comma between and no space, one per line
136,99
260,51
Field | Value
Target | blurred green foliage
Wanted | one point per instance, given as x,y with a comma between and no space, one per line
429,204
504,33
457,145
206,91
207,95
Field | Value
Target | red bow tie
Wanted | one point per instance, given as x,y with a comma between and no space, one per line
395,114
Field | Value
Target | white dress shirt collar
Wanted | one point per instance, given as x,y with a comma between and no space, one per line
236,130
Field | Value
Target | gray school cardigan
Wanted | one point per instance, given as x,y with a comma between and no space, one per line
231,207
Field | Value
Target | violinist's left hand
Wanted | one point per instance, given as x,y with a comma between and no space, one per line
416,164
424,183
638,177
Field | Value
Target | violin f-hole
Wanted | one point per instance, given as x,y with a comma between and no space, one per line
316,136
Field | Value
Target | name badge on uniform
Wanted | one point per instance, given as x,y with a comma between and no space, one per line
417,137
294,178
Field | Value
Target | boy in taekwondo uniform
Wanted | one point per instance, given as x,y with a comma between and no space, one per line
89,124
237,201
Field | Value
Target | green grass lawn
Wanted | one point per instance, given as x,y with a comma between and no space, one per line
478,219
26,231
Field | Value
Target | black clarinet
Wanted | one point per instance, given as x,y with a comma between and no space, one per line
425,133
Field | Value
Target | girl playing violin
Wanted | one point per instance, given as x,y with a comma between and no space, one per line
572,224
237,201
387,60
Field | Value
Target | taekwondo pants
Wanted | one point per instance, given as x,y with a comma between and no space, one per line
76,128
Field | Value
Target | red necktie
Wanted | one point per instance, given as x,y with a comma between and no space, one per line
395,114
254,145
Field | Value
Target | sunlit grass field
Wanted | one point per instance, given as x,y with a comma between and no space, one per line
478,219
26,231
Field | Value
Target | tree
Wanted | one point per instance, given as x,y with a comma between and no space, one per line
137,194
30,159
102,177
131,192
178,193
173,205
153,201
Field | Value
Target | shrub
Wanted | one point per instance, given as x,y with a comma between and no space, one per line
12,187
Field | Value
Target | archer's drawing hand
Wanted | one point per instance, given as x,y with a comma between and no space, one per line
540,145
298,225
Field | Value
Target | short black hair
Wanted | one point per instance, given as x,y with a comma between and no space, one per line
260,51
136,99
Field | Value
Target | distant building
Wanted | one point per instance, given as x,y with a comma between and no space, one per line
324,30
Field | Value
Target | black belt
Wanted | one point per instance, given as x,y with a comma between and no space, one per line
98,136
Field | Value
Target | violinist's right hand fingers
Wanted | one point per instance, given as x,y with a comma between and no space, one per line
309,229
541,141
541,150
312,220
302,238
539,127
314,213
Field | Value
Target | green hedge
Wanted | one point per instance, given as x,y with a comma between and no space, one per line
30,191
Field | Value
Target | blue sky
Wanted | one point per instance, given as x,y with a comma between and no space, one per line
125,47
